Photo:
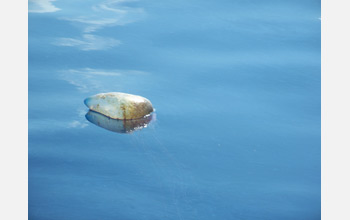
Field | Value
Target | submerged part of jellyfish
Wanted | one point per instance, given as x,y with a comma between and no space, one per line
119,126
119,105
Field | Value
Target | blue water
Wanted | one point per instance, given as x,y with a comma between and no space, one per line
236,88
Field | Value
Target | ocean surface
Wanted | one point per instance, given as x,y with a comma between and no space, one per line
237,130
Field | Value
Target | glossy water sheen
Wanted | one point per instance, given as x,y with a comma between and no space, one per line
236,88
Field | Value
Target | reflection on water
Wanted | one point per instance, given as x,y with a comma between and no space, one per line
119,126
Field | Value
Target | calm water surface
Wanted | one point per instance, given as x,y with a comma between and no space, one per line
236,87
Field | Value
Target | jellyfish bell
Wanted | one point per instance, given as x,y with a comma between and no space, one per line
119,126
119,105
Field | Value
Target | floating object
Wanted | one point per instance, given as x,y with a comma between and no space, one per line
119,105
116,125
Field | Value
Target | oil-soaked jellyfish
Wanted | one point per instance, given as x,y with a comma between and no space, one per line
119,105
